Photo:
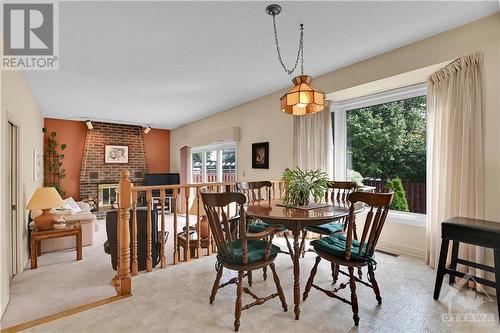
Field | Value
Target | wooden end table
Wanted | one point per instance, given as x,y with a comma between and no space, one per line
37,236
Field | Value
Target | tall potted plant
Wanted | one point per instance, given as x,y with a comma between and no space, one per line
301,185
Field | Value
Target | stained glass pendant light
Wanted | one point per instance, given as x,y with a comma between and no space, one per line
303,98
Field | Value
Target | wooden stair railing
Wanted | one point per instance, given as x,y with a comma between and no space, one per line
128,195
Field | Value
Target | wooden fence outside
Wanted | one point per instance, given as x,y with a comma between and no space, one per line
415,193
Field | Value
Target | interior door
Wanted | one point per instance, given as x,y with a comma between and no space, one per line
13,196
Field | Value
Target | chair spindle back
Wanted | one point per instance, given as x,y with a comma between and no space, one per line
338,192
378,204
216,206
255,191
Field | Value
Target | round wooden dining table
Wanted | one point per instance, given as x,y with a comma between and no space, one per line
295,219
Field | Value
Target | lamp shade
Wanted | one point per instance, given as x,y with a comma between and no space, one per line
303,98
45,198
194,208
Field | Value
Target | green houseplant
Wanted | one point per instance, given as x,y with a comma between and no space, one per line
300,185
53,157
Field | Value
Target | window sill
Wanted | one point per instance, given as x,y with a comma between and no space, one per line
407,218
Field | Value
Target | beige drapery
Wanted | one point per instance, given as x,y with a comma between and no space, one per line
455,173
313,141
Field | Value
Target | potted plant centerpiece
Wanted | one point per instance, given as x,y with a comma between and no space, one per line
301,185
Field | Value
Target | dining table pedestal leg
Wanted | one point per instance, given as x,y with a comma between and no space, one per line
296,272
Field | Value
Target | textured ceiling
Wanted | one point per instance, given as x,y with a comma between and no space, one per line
170,63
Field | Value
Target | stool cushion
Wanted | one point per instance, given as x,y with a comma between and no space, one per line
327,228
255,251
335,245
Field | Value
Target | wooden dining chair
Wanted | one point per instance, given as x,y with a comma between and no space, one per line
341,249
337,195
256,192
240,251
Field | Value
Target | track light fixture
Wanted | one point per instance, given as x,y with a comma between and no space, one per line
89,124
147,129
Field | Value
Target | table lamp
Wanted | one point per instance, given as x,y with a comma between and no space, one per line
45,198
203,217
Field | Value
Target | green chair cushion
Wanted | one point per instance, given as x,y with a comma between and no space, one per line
335,245
259,226
327,228
255,251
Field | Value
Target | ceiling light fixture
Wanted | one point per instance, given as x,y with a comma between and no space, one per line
89,124
147,129
303,98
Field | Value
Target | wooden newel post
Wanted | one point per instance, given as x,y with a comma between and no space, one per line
124,286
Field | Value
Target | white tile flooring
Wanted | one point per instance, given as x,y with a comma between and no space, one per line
175,299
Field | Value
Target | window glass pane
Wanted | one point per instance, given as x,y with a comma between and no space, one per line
229,165
196,171
105,196
386,148
211,166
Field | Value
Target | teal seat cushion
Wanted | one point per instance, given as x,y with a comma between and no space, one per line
259,226
327,228
335,245
255,251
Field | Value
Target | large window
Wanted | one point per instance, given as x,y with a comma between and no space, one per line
214,164
384,145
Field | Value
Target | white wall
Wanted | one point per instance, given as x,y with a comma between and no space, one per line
17,106
261,119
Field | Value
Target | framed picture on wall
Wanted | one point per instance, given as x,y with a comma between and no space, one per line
260,155
115,154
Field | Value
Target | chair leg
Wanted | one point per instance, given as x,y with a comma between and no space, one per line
249,275
443,254
264,273
237,307
496,255
288,245
303,243
311,278
354,297
335,272
374,283
454,258
216,283
360,273
278,287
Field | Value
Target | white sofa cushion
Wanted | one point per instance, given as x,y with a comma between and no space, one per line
69,203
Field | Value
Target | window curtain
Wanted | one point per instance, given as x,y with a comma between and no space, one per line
313,141
455,173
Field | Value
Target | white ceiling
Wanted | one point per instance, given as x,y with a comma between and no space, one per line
170,63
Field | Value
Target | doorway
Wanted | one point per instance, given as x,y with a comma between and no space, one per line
13,164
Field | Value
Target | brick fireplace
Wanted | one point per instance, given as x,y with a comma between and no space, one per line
95,172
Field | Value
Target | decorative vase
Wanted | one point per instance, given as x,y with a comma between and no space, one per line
45,221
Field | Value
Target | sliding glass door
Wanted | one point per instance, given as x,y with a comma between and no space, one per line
214,163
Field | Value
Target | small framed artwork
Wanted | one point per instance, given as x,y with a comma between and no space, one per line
260,155
115,154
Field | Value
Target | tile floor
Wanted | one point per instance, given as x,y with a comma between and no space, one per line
175,299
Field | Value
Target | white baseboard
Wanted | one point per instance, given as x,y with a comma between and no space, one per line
401,249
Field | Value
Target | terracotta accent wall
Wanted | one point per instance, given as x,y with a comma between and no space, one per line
154,147
73,134
157,147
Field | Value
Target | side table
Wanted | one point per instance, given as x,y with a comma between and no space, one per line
38,235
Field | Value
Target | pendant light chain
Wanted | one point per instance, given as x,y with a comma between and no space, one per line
300,52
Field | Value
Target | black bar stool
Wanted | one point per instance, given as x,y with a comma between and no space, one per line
471,231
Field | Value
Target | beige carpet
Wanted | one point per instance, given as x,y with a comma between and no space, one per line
60,282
